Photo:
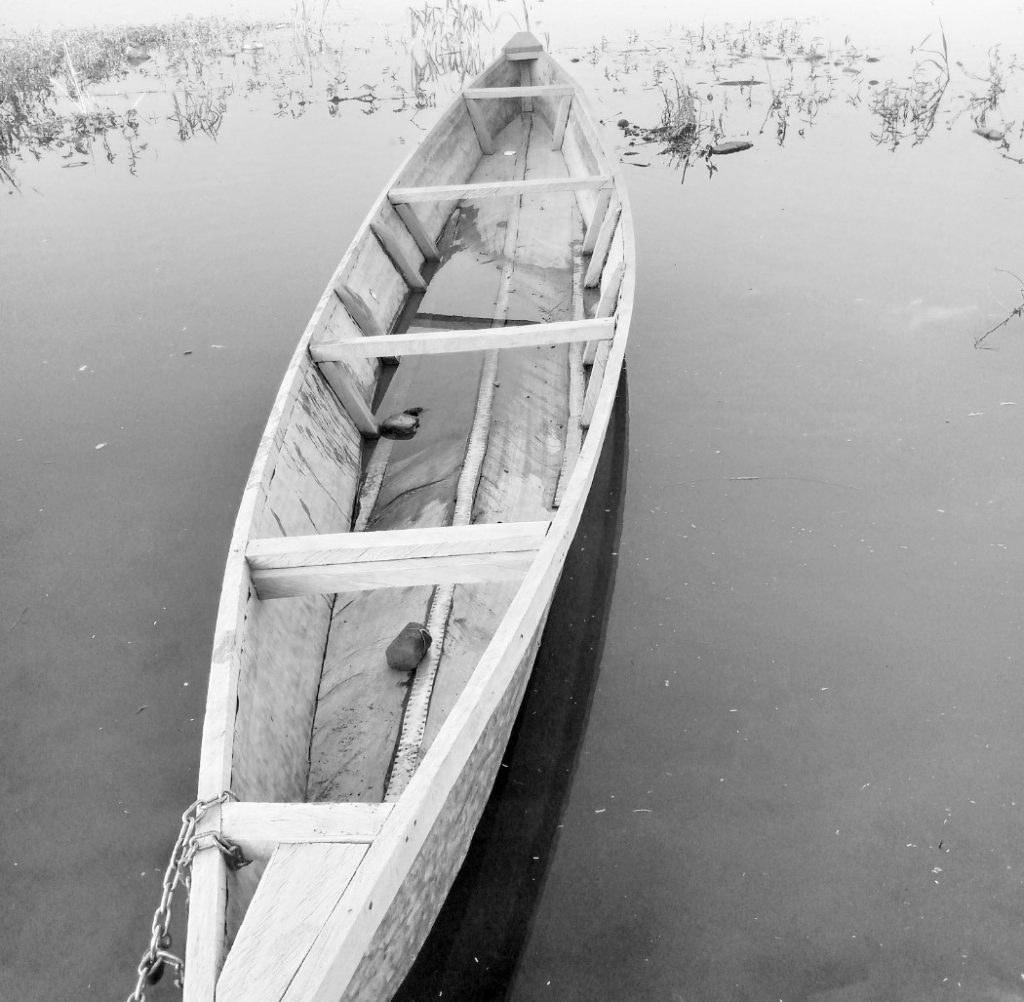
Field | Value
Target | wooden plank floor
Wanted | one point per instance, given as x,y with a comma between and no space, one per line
360,700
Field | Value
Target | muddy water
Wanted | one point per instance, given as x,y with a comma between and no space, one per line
793,766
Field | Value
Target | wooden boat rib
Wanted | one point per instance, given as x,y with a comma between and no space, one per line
498,266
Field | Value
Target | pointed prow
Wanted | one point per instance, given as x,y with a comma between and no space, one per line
522,45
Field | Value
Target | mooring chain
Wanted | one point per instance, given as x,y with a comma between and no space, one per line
158,957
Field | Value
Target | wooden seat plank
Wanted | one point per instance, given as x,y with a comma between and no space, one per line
498,189
393,544
488,93
326,579
480,339
260,828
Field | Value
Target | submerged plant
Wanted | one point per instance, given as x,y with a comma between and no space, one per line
1017,311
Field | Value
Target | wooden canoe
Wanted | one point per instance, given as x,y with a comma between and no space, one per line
497,269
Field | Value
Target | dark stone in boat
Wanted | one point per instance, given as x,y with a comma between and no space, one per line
402,425
731,146
406,651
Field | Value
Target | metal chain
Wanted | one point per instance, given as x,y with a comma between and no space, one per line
158,956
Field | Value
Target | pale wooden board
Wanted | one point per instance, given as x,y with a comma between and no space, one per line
483,134
394,544
317,467
499,189
368,575
551,90
601,247
280,653
445,342
281,658
359,710
395,248
560,121
259,828
300,888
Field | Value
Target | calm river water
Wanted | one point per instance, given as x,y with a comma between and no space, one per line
787,760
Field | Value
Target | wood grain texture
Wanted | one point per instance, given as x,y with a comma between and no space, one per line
314,476
258,828
399,255
446,569
414,720
560,122
498,189
601,247
479,120
482,339
365,943
300,888
395,544
484,93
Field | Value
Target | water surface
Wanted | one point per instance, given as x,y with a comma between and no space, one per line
798,772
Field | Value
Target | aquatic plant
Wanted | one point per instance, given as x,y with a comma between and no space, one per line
1017,311
911,110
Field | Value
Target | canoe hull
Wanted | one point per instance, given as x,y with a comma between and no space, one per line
391,885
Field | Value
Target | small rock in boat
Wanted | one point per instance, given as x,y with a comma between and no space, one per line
402,425
406,651
730,146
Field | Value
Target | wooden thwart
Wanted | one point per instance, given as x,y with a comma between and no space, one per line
485,93
310,565
481,339
259,828
498,189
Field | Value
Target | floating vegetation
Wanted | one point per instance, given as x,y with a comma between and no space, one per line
82,92
721,84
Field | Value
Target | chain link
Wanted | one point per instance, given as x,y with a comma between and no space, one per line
158,956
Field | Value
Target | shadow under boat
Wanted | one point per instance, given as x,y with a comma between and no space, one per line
474,947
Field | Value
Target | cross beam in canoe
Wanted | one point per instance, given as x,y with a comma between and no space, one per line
498,189
258,828
485,93
445,342
361,561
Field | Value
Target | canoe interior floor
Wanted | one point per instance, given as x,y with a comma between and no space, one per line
361,701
